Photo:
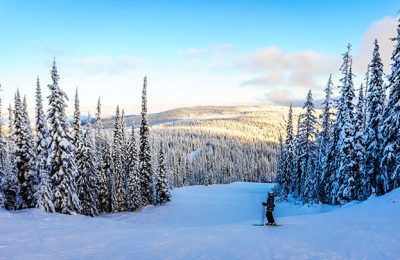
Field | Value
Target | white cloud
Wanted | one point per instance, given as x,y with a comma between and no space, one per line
279,68
105,64
273,78
383,30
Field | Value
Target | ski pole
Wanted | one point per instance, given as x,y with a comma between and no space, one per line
263,216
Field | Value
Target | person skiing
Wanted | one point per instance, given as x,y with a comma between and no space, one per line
270,207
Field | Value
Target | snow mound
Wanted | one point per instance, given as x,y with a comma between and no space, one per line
210,222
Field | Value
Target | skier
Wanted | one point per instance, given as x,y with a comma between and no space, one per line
270,207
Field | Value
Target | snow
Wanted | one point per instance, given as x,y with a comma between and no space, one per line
210,222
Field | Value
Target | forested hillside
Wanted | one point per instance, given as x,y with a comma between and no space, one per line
210,145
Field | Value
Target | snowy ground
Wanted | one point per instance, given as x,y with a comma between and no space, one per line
213,222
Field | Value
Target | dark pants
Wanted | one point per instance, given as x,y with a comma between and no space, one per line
270,218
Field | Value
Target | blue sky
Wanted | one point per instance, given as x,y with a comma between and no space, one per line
194,52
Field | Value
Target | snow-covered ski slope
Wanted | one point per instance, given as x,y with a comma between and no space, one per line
213,222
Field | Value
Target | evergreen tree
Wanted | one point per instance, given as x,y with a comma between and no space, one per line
390,128
378,182
98,123
288,161
63,171
324,138
106,179
76,125
145,169
280,178
134,192
3,158
359,141
296,183
308,134
24,157
348,172
87,177
104,164
44,195
11,185
162,189
119,202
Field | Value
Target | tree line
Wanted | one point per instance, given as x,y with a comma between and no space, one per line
353,150
77,169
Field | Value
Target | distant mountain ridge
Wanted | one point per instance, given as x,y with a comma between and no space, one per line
271,115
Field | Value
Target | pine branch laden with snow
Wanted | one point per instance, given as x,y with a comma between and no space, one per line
63,171
145,169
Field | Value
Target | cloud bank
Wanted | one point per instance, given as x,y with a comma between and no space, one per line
280,68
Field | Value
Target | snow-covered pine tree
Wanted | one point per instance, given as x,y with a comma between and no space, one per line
279,176
324,137
348,172
76,124
98,125
11,131
359,140
103,164
331,165
11,185
288,161
63,169
296,183
145,169
308,134
87,173
390,128
134,192
379,182
24,157
44,193
327,113
162,188
3,157
119,193
366,93
106,179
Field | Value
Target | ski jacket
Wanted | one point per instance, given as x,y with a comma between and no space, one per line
269,204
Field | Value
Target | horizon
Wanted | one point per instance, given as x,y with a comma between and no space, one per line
258,53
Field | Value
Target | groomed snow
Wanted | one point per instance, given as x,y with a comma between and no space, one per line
213,222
